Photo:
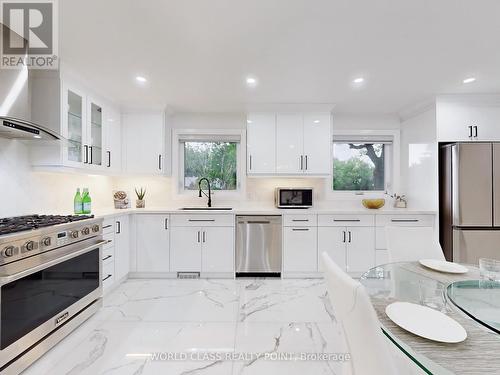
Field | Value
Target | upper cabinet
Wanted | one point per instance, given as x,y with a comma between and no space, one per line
144,143
91,126
261,143
467,118
289,144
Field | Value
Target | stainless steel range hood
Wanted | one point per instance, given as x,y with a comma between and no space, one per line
13,128
21,114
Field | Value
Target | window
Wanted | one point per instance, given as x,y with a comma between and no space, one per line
361,165
216,157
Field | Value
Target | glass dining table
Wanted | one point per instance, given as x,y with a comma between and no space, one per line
472,302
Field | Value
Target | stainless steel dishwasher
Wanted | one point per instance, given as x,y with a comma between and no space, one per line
258,246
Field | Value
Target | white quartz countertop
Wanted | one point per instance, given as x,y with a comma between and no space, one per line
265,211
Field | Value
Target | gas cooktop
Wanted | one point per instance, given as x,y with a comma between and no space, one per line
24,223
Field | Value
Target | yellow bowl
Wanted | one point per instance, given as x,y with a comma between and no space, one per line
373,203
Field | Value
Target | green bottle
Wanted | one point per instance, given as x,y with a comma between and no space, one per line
78,202
86,202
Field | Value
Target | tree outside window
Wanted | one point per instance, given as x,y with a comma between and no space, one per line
359,166
216,161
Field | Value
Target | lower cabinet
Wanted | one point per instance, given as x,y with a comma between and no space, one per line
202,249
153,243
352,248
299,249
122,247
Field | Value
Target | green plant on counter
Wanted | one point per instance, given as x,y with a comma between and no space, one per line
140,193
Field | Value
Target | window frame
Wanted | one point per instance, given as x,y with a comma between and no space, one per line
392,164
215,135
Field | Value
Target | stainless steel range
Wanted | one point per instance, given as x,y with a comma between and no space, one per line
50,282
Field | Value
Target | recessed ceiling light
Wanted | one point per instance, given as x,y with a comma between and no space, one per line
358,80
469,80
316,121
251,81
249,121
141,79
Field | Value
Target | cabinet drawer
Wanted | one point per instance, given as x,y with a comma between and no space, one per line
300,220
110,237
108,226
108,274
346,220
202,220
405,220
108,255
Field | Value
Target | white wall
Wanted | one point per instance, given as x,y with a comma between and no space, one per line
419,160
23,191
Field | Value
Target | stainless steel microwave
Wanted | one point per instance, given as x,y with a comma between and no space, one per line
294,197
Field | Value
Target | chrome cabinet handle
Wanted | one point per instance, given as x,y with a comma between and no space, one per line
250,162
475,131
470,131
91,157
107,277
159,162
202,220
109,256
300,229
350,237
300,220
301,162
204,236
343,236
346,220
198,236
118,227
306,162
166,223
404,220
109,159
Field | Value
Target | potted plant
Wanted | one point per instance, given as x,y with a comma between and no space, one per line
140,202
399,200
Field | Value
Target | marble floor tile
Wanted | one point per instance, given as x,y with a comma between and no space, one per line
275,300
203,321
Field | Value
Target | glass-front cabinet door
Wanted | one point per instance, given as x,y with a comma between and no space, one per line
75,126
95,134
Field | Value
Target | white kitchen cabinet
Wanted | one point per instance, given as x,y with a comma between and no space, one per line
300,249
122,247
74,126
144,142
332,240
360,254
217,250
261,143
153,243
95,132
113,140
467,119
295,144
289,143
185,249
317,144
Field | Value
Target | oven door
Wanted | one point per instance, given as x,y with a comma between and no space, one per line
41,293
294,198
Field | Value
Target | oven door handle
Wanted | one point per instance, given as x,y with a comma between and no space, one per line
5,279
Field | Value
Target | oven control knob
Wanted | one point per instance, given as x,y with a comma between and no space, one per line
85,231
30,245
8,251
74,234
95,228
47,241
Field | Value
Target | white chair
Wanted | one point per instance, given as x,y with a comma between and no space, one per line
352,307
409,244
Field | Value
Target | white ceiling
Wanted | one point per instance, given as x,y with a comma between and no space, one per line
196,54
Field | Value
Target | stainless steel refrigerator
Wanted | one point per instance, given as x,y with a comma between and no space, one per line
469,191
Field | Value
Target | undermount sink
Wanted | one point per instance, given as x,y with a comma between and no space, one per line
205,208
